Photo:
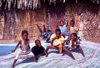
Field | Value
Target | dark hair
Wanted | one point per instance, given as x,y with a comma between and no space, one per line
36,40
57,30
61,21
74,34
72,21
24,31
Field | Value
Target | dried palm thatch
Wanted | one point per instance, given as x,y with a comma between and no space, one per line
32,4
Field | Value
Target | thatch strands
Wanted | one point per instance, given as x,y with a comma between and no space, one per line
31,4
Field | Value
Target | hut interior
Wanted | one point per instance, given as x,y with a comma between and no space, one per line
18,15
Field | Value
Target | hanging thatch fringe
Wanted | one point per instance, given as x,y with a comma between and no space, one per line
32,4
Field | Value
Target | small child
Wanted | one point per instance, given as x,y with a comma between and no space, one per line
38,49
63,27
45,34
74,43
72,28
24,50
57,42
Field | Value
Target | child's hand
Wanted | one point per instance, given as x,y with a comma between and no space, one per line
13,50
58,20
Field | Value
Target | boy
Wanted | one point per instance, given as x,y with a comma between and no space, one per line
63,27
44,34
57,41
24,50
72,28
38,49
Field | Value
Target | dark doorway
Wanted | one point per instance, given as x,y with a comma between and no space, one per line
56,12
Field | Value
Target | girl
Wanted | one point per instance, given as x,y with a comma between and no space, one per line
74,43
24,50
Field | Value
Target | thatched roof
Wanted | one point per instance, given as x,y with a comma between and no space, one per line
23,4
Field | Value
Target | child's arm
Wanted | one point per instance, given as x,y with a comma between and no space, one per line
16,46
57,23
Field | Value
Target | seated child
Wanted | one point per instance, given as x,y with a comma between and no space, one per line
45,34
38,49
74,43
57,41
63,27
72,28
24,50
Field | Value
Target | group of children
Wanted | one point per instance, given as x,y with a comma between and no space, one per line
57,40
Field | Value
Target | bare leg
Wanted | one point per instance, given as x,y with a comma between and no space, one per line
81,51
50,47
65,49
44,28
34,59
14,63
39,28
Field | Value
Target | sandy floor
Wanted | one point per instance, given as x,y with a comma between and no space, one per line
56,60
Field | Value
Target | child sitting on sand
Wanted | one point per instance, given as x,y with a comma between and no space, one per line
74,43
57,41
24,50
63,27
38,49
45,34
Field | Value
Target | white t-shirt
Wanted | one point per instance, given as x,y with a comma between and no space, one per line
63,29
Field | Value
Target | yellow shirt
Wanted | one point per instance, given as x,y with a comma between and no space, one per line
57,41
73,30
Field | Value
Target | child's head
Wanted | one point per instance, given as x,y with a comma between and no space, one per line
73,36
62,23
72,23
58,33
38,43
25,34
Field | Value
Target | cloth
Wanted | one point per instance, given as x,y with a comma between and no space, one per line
37,51
57,41
46,35
24,51
23,46
63,29
22,54
74,43
59,47
73,30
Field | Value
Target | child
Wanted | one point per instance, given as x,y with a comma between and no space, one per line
74,43
57,41
24,50
72,27
45,34
38,49
63,27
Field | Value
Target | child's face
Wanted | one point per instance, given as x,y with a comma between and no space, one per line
73,37
38,43
71,24
58,34
61,23
25,36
